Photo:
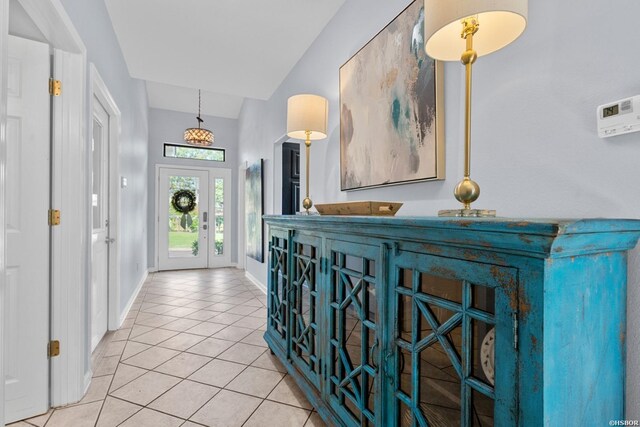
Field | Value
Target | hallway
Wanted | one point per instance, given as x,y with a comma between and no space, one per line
189,353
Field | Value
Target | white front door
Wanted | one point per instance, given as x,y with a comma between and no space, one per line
183,208
26,315
197,238
100,240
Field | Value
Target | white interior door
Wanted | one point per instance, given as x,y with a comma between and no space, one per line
183,235
220,223
26,317
100,239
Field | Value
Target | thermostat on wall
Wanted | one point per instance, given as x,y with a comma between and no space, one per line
620,117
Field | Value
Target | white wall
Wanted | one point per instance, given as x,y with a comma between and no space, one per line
169,126
91,19
535,148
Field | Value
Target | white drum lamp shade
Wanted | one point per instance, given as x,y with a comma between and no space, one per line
501,22
307,113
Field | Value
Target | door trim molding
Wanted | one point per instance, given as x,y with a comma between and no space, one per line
276,206
4,31
242,240
54,23
101,92
70,242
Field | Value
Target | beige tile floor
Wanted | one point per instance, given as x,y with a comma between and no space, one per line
190,353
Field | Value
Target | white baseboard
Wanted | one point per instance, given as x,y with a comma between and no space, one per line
87,381
125,312
256,282
153,269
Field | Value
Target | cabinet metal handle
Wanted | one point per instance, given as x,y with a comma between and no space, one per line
372,354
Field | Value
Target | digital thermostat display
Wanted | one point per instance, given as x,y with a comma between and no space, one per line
620,117
610,111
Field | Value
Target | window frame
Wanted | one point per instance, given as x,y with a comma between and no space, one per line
170,144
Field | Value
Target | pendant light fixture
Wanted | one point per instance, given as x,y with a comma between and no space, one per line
198,136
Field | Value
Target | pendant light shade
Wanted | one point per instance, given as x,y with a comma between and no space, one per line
198,136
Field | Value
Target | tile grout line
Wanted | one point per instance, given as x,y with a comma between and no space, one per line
182,379
191,289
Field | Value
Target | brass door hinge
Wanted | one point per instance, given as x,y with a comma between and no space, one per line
54,217
53,349
55,87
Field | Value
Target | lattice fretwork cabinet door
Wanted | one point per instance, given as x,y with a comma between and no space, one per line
454,335
353,279
278,288
304,301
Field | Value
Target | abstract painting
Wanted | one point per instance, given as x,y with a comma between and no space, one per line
391,112
254,206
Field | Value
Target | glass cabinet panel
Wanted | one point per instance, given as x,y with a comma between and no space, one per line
354,345
445,344
304,300
277,297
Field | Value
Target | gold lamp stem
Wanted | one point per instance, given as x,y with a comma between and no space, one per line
307,203
467,126
467,191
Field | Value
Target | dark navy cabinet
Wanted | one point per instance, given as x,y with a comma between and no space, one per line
445,322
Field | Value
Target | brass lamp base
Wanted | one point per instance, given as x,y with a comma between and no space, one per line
468,213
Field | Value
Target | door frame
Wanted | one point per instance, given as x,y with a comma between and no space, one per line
276,208
242,243
69,373
156,217
283,167
100,91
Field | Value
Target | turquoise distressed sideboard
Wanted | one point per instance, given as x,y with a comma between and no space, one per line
416,321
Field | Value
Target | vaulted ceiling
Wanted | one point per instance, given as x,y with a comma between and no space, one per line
231,49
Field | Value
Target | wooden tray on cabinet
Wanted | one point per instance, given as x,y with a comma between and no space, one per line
369,208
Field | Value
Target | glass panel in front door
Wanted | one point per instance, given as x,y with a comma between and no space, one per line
218,185
184,222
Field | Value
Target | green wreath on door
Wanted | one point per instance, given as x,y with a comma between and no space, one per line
184,201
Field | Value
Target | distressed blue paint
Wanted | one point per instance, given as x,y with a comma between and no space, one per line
564,281
596,324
